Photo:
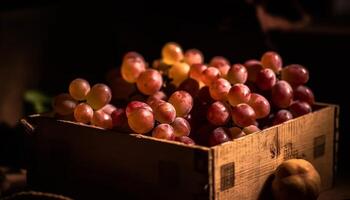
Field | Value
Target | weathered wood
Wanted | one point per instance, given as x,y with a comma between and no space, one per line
84,161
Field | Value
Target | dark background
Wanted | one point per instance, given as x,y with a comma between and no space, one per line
44,45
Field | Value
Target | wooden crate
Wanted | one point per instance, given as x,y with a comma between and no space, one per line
85,162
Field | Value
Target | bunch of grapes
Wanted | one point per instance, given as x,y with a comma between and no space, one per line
181,98
85,104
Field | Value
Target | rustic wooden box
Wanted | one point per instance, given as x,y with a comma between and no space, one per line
85,162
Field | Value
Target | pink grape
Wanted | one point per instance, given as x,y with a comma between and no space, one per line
266,79
164,112
185,139
193,56
219,89
102,119
282,116
181,127
83,113
182,102
163,131
295,74
272,61
132,67
149,82
250,129
172,53
141,120
243,115
99,95
282,94
64,104
260,105
299,108
220,63
237,74
304,93
196,71
79,88
135,105
209,75
218,113
218,136
239,93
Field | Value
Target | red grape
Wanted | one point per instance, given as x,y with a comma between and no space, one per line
83,113
172,53
219,89
190,85
141,120
237,74
266,79
102,119
253,67
163,131
260,105
99,95
282,94
272,61
182,102
295,74
236,132
218,113
250,129
299,108
131,68
164,112
282,116
193,56
134,105
196,71
119,118
219,136
239,93
220,63
209,75
243,115
181,127
185,139
149,82
64,104
303,93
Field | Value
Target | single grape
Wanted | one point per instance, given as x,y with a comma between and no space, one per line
219,89
266,79
218,113
149,82
237,74
99,95
272,61
83,113
250,129
182,102
295,75
299,108
178,72
164,112
243,115
304,93
282,94
135,105
282,116
79,88
220,63
102,119
64,104
260,105
172,53
141,120
239,93
132,55
163,131
181,127
131,68
193,56
219,136
185,139
209,75
196,71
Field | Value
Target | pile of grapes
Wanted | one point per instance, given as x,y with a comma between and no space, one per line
182,98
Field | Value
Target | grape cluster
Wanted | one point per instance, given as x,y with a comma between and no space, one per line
182,98
85,104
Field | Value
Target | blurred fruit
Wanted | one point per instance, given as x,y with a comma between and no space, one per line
79,88
272,61
260,105
182,102
219,136
282,116
219,89
218,113
181,127
64,104
243,115
304,93
237,74
83,113
295,74
239,93
178,72
149,82
193,56
172,53
282,94
299,108
99,95
163,131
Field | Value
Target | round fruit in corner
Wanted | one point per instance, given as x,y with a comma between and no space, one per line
296,179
